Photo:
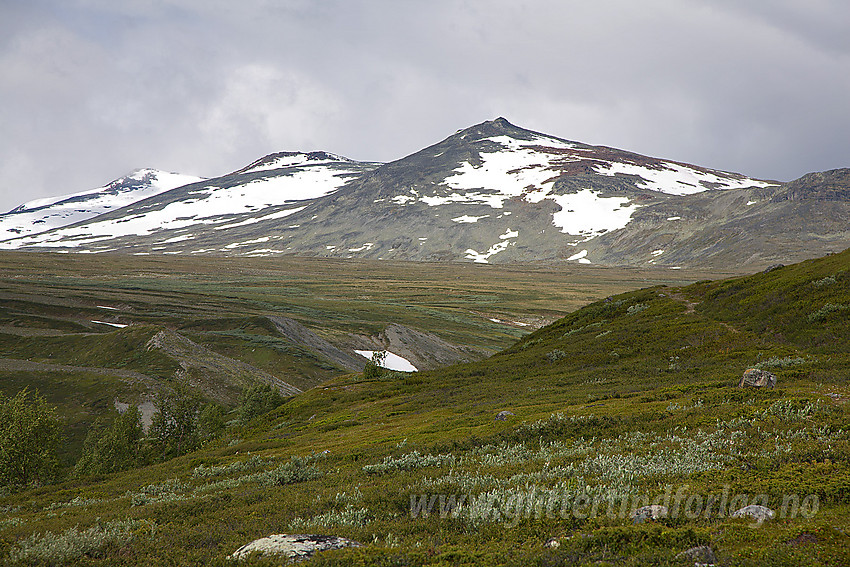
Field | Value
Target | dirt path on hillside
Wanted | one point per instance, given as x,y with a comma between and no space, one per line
690,306
18,365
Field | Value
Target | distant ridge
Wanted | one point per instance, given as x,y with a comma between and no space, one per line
490,193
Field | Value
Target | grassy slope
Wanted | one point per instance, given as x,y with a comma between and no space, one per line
621,398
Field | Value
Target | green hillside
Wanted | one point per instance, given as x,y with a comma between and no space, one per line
627,401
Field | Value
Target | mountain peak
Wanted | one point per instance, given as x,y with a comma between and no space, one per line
281,160
501,122
497,127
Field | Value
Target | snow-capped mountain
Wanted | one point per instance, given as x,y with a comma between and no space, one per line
493,192
267,190
40,215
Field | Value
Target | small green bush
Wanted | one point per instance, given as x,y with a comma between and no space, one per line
253,462
556,355
828,280
792,410
347,517
298,469
825,311
408,462
168,491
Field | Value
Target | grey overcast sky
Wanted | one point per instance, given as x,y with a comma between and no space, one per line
92,89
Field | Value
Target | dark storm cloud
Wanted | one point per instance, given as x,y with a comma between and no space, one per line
91,89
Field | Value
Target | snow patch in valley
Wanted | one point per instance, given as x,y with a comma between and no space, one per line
117,325
391,362
260,252
580,257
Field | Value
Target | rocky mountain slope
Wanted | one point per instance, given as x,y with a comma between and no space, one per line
490,193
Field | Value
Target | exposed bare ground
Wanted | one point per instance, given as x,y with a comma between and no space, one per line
207,363
690,306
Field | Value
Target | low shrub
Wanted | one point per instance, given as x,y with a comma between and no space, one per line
74,544
408,462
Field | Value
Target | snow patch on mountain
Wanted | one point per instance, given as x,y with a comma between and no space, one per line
270,216
483,257
587,214
676,179
469,218
527,169
510,172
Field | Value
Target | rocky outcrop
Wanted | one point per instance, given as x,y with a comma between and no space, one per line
700,555
292,546
302,336
756,378
652,512
756,512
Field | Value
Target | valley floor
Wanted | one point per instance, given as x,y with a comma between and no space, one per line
626,401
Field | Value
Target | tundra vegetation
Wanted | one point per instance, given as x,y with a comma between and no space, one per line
622,402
